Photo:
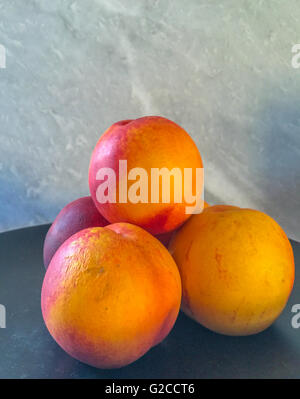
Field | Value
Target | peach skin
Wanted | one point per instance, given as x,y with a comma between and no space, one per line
77,215
237,269
150,143
110,294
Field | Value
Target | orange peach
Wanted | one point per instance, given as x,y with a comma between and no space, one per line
110,294
150,144
237,269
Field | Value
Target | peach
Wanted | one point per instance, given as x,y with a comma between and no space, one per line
237,269
110,294
145,143
75,216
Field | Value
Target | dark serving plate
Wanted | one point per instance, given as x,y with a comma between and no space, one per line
190,351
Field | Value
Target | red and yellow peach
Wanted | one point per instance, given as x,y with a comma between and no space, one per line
110,294
147,143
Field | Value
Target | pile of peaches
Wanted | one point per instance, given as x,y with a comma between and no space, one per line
118,272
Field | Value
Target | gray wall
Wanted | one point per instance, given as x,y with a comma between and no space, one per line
220,68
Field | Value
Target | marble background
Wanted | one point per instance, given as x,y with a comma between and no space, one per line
220,68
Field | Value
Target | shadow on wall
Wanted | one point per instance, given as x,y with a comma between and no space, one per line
277,165
258,155
256,162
